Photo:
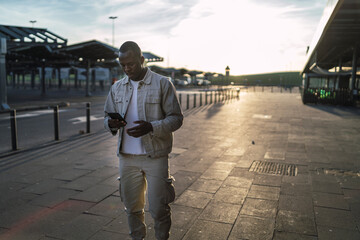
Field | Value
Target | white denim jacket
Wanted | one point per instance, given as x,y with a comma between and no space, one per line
157,104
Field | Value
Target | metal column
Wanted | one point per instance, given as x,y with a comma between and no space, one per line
3,93
353,72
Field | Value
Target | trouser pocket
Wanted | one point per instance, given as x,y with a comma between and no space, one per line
169,190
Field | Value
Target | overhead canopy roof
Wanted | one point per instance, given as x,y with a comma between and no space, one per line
337,35
96,50
34,44
24,36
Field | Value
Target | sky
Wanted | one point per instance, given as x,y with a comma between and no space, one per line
249,36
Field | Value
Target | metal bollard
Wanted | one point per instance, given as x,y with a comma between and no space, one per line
13,124
211,97
180,99
206,98
194,100
187,101
56,122
88,117
200,99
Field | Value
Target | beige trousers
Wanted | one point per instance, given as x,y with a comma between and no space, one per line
139,173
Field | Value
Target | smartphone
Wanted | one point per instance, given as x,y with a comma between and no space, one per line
116,115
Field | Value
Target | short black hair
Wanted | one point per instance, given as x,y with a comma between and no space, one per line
130,46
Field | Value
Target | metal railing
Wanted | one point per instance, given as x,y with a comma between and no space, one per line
14,128
207,97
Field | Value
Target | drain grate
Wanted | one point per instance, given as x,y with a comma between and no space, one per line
274,168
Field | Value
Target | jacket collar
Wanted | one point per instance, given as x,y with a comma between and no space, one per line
146,80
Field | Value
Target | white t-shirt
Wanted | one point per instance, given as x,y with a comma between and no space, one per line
131,145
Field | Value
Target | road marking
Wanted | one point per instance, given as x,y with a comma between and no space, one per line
83,119
32,114
262,116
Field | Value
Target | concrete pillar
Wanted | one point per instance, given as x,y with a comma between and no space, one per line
3,92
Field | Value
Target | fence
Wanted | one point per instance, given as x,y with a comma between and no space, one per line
328,96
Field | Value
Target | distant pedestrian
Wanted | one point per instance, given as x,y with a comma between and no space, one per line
151,112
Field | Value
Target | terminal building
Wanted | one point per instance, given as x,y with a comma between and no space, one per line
331,73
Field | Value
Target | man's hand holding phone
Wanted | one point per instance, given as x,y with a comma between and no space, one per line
116,121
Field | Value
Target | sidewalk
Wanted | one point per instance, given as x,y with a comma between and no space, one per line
69,190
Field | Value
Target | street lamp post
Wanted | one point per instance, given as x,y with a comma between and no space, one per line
113,38
32,22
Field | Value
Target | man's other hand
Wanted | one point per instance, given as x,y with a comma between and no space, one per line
140,130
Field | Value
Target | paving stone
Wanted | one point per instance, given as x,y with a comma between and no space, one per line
39,225
95,193
194,199
82,183
332,233
326,187
241,182
81,227
264,192
243,163
299,178
204,230
220,165
104,172
259,208
317,176
13,199
111,181
350,182
109,207
101,235
53,198
292,236
267,180
43,187
303,204
70,174
241,172
294,221
295,189
220,212
233,195
351,195
330,200
206,185
215,174
118,225
75,206
183,217
334,218
274,155
183,179
234,151
249,227
19,215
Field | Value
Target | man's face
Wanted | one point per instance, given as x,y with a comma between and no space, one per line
131,64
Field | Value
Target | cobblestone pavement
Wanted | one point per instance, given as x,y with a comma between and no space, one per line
262,167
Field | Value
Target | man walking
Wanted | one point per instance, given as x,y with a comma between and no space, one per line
151,112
